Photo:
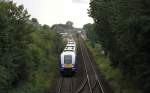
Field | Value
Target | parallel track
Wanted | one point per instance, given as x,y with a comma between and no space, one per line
65,89
60,85
94,84
90,82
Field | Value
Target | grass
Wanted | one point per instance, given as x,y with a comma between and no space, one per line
117,81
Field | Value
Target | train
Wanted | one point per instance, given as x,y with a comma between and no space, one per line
68,59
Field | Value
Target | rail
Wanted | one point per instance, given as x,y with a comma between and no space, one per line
97,81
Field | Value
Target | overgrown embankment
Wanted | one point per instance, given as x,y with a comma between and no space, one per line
122,28
117,81
28,51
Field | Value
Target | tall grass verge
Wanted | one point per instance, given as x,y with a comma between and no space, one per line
117,81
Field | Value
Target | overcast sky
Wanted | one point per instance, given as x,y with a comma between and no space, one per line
58,11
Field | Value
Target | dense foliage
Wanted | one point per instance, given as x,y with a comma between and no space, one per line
123,29
28,51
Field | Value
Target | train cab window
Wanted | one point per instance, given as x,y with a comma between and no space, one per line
67,59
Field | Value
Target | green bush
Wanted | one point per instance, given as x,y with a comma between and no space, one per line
28,51
117,81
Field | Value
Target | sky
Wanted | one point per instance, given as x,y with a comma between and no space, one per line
58,11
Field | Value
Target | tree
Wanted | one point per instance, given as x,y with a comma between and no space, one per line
122,29
69,24
34,20
14,38
90,33
26,52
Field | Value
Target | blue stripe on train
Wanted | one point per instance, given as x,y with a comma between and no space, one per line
73,69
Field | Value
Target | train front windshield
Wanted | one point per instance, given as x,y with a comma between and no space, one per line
67,59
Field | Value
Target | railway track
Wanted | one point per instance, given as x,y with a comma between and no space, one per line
65,85
86,80
92,80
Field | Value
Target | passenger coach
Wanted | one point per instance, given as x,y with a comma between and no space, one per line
68,58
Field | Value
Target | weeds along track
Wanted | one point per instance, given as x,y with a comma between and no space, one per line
92,80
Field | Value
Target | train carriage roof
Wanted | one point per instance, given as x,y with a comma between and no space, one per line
67,53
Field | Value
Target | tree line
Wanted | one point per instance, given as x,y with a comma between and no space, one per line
122,27
28,51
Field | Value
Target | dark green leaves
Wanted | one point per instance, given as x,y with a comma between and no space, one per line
123,28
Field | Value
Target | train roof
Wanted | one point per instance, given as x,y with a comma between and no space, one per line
69,48
68,53
71,45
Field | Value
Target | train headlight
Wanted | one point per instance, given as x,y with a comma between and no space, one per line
72,65
62,65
